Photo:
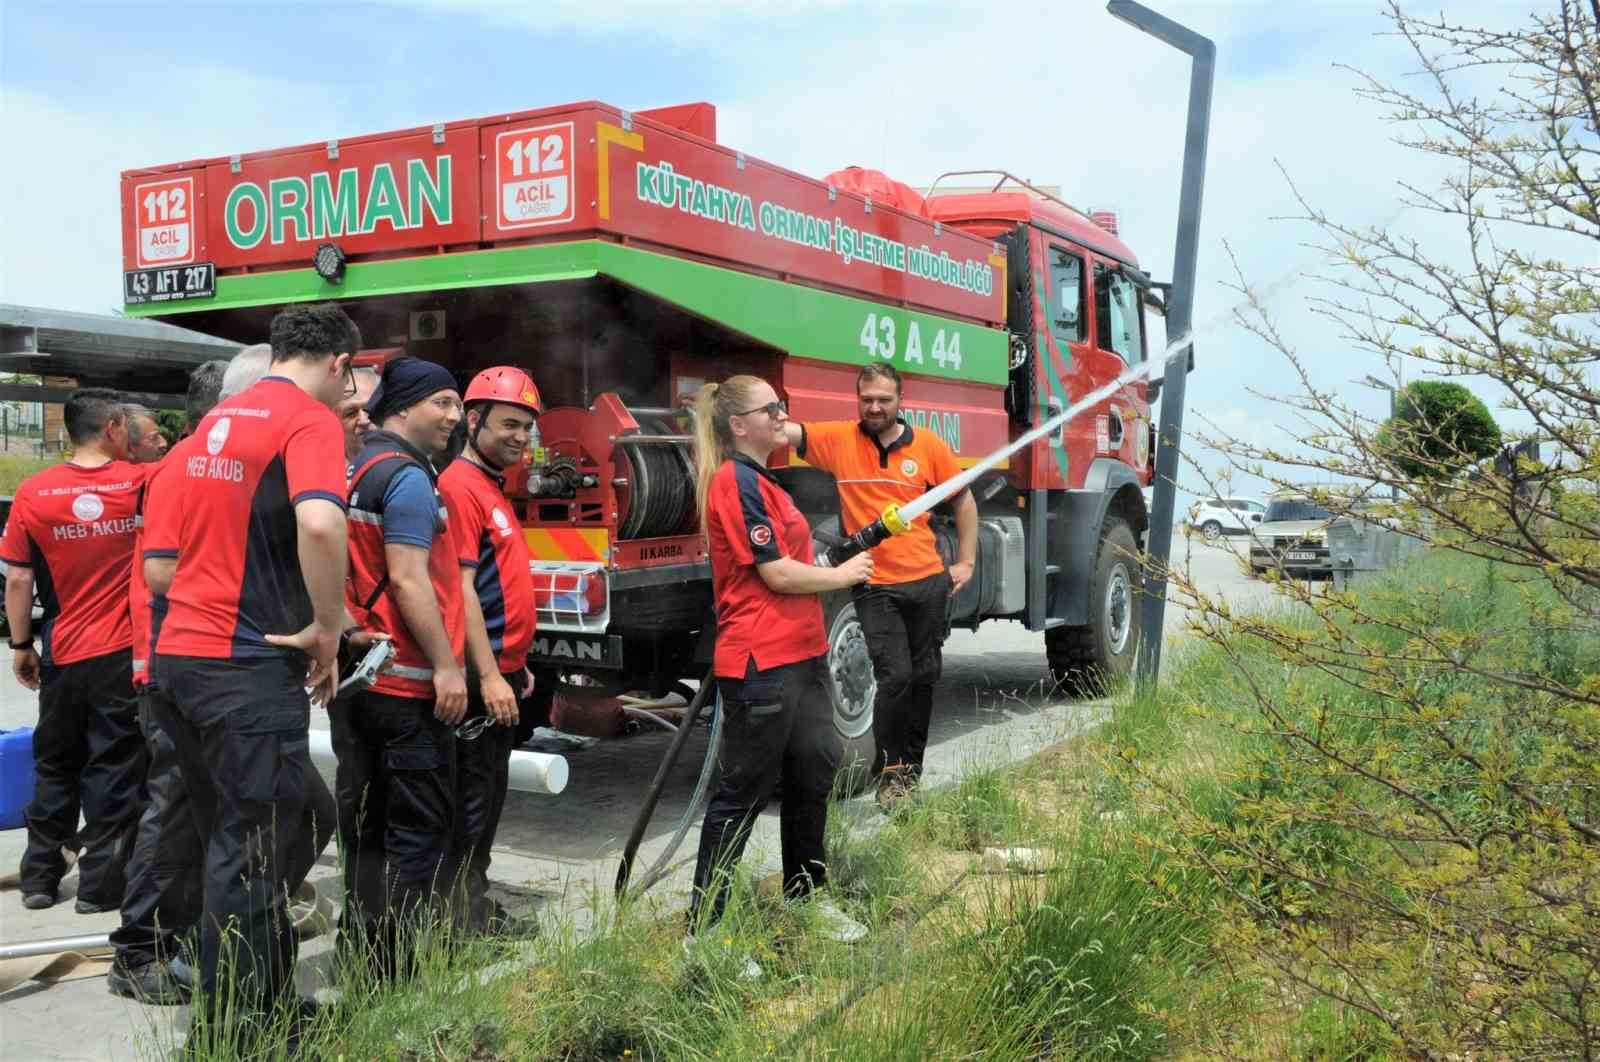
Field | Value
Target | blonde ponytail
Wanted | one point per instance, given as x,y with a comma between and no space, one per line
713,440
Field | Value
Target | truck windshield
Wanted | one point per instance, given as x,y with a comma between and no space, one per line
1296,509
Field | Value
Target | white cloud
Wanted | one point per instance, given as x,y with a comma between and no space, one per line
60,218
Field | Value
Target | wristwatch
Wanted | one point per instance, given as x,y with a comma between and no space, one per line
19,646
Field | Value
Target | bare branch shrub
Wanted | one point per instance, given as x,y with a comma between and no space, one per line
1411,824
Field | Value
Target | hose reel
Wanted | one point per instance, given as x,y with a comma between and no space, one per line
659,495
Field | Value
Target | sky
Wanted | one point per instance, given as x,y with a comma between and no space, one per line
1061,93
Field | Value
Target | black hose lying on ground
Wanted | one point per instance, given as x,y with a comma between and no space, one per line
653,795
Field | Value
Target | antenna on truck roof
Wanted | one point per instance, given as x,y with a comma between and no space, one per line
1005,176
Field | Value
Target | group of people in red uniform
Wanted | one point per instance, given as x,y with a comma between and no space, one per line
197,607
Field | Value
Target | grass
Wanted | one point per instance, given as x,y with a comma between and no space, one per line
1112,950
14,469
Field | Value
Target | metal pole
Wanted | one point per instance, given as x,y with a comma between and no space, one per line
1180,314
89,945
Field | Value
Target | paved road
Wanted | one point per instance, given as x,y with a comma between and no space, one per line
992,707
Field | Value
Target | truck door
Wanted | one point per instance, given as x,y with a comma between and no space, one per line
1122,428
1062,457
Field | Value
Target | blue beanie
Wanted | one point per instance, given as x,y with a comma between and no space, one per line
407,381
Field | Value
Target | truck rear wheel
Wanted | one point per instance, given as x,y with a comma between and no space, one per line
852,687
1094,657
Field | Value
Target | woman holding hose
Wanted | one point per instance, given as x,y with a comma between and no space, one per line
777,718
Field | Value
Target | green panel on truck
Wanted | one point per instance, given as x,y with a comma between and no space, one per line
803,321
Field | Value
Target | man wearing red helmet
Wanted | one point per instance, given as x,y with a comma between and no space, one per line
502,405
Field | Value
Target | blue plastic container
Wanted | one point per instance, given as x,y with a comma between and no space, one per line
16,776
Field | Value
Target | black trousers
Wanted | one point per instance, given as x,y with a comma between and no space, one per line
89,757
905,627
239,728
482,766
777,724
396,796
164,896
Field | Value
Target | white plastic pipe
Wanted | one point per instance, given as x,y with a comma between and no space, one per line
531,772
951,487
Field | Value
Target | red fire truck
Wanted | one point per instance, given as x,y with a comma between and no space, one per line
624,258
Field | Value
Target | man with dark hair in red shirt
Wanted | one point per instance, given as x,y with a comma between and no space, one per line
396,750
497,590
246,540
70,534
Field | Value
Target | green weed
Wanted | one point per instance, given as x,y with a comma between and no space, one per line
15,468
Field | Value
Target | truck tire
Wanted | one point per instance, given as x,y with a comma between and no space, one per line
1092,658
851,688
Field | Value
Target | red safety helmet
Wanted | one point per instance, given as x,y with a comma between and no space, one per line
508,384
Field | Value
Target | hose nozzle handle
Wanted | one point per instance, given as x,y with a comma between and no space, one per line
873,534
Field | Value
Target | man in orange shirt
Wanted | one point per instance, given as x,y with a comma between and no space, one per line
878,461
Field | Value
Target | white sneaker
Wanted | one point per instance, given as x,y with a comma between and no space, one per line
694,949
834,923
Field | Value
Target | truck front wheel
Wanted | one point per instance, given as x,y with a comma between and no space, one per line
1094,657
852,687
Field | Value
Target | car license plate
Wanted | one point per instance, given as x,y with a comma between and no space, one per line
1301,555
169,283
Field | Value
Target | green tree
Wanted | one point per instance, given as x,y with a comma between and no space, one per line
171,423
1412,826
1438,428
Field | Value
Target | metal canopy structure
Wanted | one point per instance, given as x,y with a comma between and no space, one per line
148,360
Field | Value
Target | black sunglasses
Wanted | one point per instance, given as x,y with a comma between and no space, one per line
771,409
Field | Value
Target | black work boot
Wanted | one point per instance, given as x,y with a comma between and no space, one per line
151,983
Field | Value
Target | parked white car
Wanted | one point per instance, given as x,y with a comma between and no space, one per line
1226,516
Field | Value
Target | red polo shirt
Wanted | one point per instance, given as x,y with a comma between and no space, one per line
74,527
230,520
488,539
751,520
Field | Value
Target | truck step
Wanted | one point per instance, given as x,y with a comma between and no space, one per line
1052,569
1054,622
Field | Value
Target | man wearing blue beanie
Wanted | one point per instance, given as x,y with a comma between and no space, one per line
395,741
